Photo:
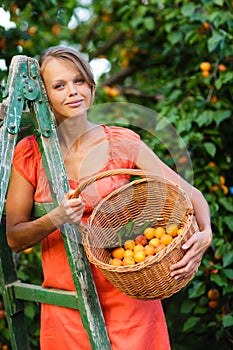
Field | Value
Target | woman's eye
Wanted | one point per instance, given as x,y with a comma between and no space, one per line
58,86
79,81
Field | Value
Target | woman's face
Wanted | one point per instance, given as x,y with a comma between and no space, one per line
69,95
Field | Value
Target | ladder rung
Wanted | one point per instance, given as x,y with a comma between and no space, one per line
35,293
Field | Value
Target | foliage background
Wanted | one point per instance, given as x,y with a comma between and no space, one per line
154,50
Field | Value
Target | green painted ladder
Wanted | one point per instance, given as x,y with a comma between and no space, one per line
25,90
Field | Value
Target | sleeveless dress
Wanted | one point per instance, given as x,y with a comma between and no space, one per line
131,323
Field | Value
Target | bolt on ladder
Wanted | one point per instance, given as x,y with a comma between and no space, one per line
25,87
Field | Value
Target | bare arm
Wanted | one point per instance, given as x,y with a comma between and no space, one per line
21,231
199,242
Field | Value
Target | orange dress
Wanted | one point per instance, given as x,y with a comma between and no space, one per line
131,323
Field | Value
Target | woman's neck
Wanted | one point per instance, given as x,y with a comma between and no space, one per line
72,131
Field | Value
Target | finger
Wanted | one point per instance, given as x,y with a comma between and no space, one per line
76,202
190,269
191,241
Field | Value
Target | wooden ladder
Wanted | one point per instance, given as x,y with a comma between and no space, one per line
25,88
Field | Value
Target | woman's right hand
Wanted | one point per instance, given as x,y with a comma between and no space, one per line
69,211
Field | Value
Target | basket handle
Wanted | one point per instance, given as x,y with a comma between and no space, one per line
104,174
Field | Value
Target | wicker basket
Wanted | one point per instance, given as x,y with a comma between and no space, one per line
149,198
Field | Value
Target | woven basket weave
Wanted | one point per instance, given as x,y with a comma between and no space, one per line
149,198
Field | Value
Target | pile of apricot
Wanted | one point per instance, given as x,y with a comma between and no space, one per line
145,245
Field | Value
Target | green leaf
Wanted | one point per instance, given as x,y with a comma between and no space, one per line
205,118
174,37
188,10
190,323
226,203
210,148
197,290
219,279
125,231
149,23
200,310
187,306
228,289
228,273
223,79
214,41
219,116
227,258
219,2
30,311
227,321
142,227
229,221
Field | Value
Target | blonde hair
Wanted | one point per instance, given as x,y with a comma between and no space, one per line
76,57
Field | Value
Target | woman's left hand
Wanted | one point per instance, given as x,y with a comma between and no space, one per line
195,248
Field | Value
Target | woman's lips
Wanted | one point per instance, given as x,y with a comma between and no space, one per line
74,104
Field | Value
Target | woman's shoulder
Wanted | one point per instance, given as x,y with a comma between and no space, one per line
26,147
27,141
116,132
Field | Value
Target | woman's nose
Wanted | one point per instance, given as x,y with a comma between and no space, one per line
72,89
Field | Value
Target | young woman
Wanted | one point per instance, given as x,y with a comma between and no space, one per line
88,149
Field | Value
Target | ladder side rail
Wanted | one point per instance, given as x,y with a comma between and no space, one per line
14,307
13,107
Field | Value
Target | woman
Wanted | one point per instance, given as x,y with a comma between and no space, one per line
88,149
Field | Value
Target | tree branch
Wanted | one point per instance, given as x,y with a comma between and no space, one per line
89,33
127,91
107,45
120,75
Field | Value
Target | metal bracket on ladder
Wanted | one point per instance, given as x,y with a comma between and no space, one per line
25,86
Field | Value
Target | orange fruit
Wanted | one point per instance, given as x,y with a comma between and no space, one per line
159,247
154,242
205,73
129,244
206,25
222,68
141,239
213,294
205,66
139,256
32,30
214,99
213,304
159,232
166,239
128,253
212,165
149,232
217,257
28,250
55,29
172,230
115,92
222,180
225,189
128,260
214,188
180,231
116,262
118,253
138,248
149,250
